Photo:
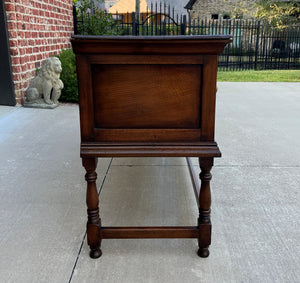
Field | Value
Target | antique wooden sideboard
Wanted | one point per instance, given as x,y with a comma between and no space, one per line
148,96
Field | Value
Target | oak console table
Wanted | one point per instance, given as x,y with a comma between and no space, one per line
148,96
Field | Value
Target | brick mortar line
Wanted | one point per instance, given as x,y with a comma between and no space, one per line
32,54
38,16
42,45
24,5
39,45
12,21
45,38
41,31
35,30
43,10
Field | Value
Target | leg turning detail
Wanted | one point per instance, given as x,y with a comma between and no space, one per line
92,201
204,223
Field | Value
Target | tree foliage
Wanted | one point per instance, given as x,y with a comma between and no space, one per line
241,10
92,20
278,14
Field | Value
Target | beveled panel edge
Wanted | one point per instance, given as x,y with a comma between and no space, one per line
149,151
152,37
142,59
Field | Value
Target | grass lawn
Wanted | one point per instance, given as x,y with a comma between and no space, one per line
259,76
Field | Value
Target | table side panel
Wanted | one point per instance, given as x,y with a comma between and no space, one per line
140,96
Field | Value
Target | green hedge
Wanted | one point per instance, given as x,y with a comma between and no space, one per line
68,75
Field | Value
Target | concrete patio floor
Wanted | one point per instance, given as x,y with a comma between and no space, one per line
255,198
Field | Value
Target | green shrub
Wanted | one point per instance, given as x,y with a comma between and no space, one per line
68,75
94,21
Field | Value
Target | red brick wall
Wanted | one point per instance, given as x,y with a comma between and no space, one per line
37,30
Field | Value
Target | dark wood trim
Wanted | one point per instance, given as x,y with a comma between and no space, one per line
150,39
149,232
148,151
85,89
208,101
198,143
150,44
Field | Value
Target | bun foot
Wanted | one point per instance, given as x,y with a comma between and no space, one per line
95,253
203,252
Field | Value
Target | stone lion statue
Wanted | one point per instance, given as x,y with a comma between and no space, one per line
46,86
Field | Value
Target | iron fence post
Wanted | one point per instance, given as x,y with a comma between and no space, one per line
164,28
134,24
228,46
75,19
257,44
183,25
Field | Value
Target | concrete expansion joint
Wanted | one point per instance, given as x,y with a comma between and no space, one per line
258,166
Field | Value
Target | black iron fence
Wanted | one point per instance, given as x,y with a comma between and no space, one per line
254,46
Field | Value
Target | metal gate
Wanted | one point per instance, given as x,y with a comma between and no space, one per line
7,93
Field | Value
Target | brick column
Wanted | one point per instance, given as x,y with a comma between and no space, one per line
37,30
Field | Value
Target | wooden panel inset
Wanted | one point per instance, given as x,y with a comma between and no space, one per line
147,96
147,135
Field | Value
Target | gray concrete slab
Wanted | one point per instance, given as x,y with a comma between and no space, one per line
42,194
255,193
258,123
5,110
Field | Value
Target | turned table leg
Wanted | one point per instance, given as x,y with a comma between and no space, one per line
204,223
92,201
